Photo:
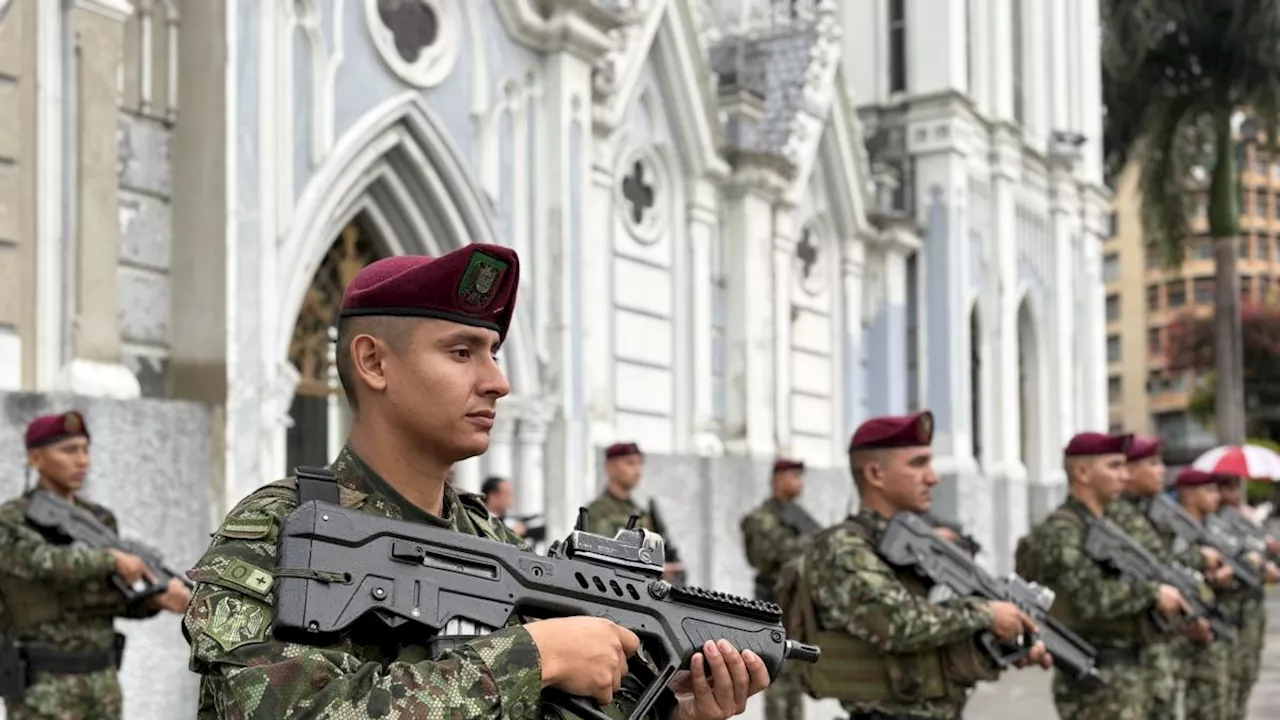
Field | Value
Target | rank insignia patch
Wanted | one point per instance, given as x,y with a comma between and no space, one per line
481,280
924,429
71,422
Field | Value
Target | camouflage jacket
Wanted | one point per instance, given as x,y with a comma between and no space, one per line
854,590
775,532
55,595
608,514
1092,593
247,673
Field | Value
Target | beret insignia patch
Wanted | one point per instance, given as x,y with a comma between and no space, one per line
481,280
71,423
924,429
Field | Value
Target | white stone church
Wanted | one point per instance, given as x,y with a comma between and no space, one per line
745,226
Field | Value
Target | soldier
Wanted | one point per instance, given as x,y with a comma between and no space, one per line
1109,612
1163,657
417,339
887,651
772,534
1208,691
1251,613
57,602
612,510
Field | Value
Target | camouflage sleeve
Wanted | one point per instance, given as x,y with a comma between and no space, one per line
1094,594
769,544
248,673
30,557
854,587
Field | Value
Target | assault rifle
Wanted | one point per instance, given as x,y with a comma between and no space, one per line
680,577
340,565
1107,543
1166,513
910,541
963,539
65,521
1251,535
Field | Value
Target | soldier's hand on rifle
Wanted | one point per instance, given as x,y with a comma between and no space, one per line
518,528
1039,655
1221,576
671,569
947,534
1010,623
1272,573
131,567
1198,631
584,656
1273,546
1212,558
175,598
1171,602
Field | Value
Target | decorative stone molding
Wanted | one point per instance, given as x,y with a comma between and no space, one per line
278,397
581,27
118,10
98,379
419,41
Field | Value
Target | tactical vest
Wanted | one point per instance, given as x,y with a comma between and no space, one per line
1132,629
852,670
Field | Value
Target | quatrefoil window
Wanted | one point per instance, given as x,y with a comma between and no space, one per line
641,194
418,39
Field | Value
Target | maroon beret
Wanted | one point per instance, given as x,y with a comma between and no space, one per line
785,464
1092,443
49,429
1227,478
894,432
618,450
1190,477
1143,447
473,285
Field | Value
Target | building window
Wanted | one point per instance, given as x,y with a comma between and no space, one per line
1113,348
913,332
1261,247
1110,268
1264,289
1113,224
897,46
1113,389
1204,250
1176,294
1153,297
1204,291
1153,256
1113,308
1260,208
1015,25
1154,344
1276,205
1155,383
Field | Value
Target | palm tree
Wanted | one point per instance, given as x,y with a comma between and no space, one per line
1174,74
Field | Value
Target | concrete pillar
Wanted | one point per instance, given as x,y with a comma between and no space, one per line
704,221
784,248
96,345
851,283
531,437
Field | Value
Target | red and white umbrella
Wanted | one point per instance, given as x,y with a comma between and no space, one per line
1249,461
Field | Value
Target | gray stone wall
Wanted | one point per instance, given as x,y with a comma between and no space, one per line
151,461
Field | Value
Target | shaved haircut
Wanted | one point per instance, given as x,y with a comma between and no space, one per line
396,332
858,460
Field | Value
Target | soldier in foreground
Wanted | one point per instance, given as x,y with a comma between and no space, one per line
887,651
1251,614
57,602
417,339
1166,657
772,534
613,508
1110,613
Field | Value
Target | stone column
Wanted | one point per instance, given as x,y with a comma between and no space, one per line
500,458
784,248
598,310
96,348
851,284
703,231
896,245
531,434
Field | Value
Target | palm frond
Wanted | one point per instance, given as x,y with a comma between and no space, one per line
1164,172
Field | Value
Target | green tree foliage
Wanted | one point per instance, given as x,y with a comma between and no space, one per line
1191,347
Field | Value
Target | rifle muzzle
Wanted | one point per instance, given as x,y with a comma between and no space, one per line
803,652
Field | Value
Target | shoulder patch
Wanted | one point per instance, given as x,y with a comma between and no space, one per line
235,622
247,528
237,574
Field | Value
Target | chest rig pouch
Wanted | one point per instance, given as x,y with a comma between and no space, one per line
320,484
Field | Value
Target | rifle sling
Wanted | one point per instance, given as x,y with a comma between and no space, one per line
317,483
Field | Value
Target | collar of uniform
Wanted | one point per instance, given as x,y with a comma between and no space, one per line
380,497
1074,503
872,519
625,502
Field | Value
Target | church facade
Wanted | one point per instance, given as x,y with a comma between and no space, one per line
744,228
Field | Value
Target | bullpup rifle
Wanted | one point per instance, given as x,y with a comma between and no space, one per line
67,522
339,565
1110,545
1250,534
910,542
1166,513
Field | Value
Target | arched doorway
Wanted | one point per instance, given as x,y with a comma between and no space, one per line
319,410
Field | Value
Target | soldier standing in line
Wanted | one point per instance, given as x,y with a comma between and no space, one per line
1109,612
1208,690
58,602
772,534
613,508
887,651
417,340
1251,614
1164,657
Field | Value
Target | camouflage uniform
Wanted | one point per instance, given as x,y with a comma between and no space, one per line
54,597
907,649
1105,610
774,533
369,673
608,514
1246,661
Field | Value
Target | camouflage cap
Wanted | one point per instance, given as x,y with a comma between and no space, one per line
473,285
49,429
